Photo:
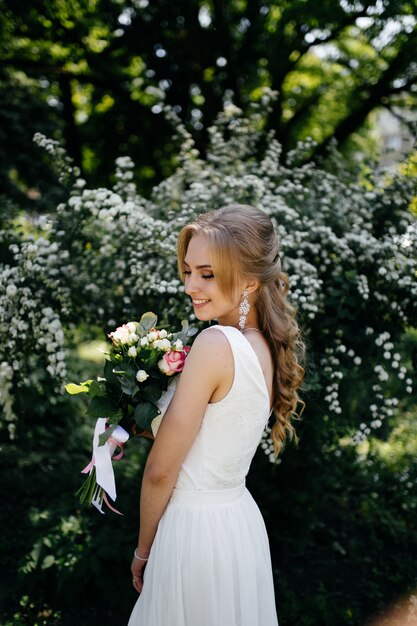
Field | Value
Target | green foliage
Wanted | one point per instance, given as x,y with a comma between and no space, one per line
98,75
120,395
344,533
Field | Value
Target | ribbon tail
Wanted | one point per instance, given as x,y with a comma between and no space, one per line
109,505
88,467
103,462
116,444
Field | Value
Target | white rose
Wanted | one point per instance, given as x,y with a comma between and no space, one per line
152,335
144,341
132,327
132,351
133,338
163,333
164,344
178,344
141,376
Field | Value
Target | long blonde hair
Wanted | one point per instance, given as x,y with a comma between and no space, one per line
243,244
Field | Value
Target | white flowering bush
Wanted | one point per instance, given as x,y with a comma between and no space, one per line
349,247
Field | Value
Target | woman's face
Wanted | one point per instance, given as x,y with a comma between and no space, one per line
208,300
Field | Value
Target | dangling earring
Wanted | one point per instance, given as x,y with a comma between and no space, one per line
244,309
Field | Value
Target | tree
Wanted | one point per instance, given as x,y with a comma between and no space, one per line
105,69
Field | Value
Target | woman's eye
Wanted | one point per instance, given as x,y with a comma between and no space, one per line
205,276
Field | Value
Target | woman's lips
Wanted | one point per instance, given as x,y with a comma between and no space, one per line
199,303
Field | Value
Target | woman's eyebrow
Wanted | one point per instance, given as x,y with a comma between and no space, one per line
199,267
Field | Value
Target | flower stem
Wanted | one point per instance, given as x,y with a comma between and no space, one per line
86,491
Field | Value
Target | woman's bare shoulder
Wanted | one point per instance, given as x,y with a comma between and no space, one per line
211,341
206,366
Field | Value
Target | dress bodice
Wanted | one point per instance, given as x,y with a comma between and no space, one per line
232,428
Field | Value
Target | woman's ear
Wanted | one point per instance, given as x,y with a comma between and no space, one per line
252,285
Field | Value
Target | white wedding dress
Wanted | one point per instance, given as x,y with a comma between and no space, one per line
210,561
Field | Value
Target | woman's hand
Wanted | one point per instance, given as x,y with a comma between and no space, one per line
137,568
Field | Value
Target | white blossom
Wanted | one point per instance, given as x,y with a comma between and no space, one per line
141,376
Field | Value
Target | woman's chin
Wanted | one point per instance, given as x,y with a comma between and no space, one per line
202,316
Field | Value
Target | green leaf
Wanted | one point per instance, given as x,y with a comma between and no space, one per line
148,321
186,332
96,389
128,386
74,389
151,393
108,373
145,412
102,438
103,406
152,360
125,368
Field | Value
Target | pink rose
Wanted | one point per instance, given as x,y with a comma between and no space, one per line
173,361
121,334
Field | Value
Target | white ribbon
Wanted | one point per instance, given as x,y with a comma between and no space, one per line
103,456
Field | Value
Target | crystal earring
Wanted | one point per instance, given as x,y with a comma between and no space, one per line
244,309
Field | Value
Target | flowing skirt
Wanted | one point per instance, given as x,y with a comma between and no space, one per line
209,565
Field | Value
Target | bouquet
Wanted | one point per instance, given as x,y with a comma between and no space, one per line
138,382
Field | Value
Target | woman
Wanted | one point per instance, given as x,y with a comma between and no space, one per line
203,557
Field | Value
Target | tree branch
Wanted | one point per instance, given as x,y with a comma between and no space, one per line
376,93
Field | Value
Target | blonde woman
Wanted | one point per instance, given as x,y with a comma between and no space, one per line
203,557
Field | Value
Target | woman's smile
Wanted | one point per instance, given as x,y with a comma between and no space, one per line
197,303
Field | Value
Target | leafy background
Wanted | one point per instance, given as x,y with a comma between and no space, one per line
87,244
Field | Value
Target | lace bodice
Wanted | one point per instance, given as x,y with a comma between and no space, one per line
232,428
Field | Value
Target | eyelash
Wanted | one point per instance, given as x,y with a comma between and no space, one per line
202,276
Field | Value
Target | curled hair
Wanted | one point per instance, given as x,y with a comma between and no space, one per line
243,244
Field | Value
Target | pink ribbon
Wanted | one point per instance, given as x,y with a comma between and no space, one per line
88,467
115,457
101,459
118,444
109,505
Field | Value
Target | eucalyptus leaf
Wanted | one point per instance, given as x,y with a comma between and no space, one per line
136,390
148,321
127,387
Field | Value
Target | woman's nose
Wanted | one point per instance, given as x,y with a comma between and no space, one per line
191,286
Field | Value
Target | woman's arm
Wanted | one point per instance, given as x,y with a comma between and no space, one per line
208,363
